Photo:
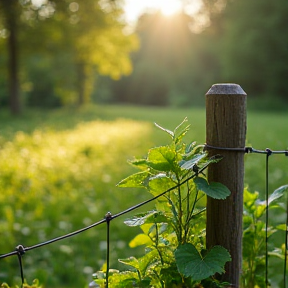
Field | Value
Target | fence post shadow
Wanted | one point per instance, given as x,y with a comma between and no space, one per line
226,128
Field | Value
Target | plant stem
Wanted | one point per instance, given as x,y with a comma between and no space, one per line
156,244
180,212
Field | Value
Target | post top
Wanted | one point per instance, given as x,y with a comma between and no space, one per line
226,89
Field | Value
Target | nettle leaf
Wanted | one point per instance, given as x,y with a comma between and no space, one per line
259,210
135,180
162,158
149,260
157,217
136,220
160,183
190,263
140,239
157,229
146,218
194,160
125,283
249,200
165,130
139,163
131,261
214,189
278,193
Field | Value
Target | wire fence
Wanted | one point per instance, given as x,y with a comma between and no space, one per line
21,250
268,152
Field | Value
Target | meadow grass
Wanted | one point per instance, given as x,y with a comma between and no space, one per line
59,170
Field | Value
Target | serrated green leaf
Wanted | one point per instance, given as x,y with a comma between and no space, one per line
135,180
131,261
259,210
140,239
250,200
139,163
214,189
165,130
137,220
126,283
162,158
190,263
149,260
194,160
146,218
278,193
160,183
157,217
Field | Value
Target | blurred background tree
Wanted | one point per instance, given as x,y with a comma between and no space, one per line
10,16
65,52
255,47
226,41
62,46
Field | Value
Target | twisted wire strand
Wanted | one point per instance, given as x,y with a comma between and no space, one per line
247,149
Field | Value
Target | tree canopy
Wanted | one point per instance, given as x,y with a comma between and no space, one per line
64,45
242,42
63,52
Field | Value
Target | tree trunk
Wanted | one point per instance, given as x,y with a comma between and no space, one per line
12,17
81,83
85,82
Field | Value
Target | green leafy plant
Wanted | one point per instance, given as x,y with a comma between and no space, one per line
35,284
174,233
254,235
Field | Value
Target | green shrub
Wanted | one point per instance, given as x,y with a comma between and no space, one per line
174,233
254,237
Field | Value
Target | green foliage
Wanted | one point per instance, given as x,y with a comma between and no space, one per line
35,284
254,234
180,57
165,70
56,181
256,24
174,233
192,264
72,42
48,194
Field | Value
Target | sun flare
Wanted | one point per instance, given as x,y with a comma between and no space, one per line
166,7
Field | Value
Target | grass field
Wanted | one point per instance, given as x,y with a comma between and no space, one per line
58,172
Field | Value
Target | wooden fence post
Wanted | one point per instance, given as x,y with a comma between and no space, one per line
226,127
